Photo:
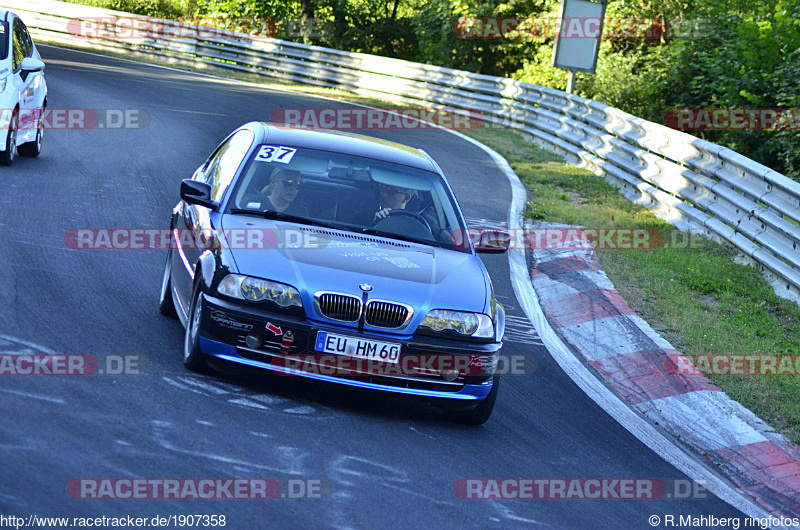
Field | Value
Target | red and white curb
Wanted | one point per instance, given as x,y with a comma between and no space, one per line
581,304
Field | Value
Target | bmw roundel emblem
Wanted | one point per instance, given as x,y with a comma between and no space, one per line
365,287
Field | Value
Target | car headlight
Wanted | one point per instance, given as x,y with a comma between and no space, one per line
258,290
467,324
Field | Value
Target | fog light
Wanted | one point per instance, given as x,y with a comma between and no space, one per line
253,341
449,375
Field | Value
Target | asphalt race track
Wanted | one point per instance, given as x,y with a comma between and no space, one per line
388,462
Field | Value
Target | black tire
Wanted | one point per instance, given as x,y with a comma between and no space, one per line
7,156
32,149
192,356
480,414
166,304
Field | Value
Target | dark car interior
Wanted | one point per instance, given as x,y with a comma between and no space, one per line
349,197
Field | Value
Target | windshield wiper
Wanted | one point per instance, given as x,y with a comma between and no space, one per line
257,213
392,235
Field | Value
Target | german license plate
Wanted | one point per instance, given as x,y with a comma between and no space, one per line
371,350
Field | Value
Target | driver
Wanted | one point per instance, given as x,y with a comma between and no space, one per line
392,198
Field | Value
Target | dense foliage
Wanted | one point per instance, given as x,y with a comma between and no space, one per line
723,54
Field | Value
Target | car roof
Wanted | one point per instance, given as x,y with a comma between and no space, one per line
345,143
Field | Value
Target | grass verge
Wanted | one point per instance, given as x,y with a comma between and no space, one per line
698,298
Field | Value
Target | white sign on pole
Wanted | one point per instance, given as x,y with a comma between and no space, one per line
578,38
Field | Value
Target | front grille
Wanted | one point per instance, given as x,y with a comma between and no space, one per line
386,314
339,307
348,308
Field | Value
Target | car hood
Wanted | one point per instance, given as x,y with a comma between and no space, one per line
313,259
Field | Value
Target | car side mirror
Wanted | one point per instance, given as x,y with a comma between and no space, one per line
490,240
485,240
31,64
196,192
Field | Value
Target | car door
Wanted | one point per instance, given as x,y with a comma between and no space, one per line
192,221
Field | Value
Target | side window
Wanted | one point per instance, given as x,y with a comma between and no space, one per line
26,39
4,38
17,46
223,165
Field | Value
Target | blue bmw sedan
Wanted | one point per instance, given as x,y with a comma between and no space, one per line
337,257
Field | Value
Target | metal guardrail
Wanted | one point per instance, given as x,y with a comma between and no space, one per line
693,184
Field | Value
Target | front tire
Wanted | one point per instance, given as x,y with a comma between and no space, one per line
7,156
192,355
480,414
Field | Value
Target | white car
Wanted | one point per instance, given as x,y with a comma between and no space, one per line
23,92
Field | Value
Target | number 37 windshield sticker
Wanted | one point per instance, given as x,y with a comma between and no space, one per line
275,153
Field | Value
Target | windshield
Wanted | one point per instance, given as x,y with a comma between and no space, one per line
349,193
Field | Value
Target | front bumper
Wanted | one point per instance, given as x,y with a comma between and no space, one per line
286,346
